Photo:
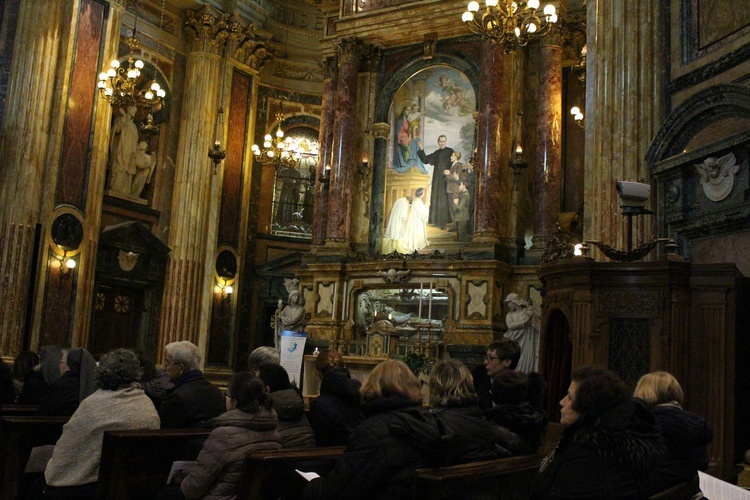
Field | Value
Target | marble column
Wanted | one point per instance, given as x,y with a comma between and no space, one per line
325,137
195,199
490,143
624,53
24,151
338,228
548,164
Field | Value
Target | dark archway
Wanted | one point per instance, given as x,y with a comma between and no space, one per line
558,356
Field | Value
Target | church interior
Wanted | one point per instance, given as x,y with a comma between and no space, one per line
382,174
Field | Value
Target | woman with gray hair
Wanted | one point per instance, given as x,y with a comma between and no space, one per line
118,404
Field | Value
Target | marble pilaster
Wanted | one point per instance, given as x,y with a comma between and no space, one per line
338,228
195,200
24,149
325,137
548,164
489,145
620,125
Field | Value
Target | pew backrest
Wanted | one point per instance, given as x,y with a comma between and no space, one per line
18,410
136,463
271,474
504,478
18,435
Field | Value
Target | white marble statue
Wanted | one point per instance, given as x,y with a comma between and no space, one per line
123,146
144,165
523,328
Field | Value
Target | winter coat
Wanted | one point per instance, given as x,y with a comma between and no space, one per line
610,456
235,433
336,411
396,437
294,427
61,399
192,401
518,428
686,435
468,434
34,389
75,460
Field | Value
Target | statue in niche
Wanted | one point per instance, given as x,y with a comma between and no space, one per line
523,327
123,146
292,317
144,169
717,176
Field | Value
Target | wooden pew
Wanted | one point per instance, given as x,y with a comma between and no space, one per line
270,474
136,463
18,435
18,410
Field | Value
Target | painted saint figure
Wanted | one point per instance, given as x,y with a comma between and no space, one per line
406,147
394,231
440,159
415,235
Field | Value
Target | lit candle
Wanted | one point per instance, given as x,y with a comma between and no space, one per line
217,143
519,149
421,287
333,300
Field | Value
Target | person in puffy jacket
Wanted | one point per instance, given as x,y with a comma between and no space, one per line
294,427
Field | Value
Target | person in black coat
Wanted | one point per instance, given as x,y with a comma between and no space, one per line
336,411
517,426
687,435
610,444
77,381
26,370
193,400
397,437
454,403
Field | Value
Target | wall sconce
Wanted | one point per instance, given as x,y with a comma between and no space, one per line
517,163
225,290
67,264
325,177
364,168
217,154
578,116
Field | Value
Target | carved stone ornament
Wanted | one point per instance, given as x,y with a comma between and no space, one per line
717,176
394,276
127,260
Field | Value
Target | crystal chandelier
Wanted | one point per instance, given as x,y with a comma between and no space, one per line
278,151
513,24
119,85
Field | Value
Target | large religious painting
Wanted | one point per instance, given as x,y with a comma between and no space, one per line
429,184
294,188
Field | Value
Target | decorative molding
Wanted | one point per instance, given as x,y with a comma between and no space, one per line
636,303
477,298
394,276
717,176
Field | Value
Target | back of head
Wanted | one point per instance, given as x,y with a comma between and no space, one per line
83,365
148,367
263,355
327,361
510,387
275,377
117,369
598,391
658,388
451,384
24,364
391,378
49,359
249,391
506,349
185,353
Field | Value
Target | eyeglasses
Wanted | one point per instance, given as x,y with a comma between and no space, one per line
490,359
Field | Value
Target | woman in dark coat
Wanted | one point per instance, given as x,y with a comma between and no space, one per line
397,436
610,444
454,403
687,435
27,371
336,411
518,427
76,383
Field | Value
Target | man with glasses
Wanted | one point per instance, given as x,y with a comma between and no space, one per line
193,399
501,355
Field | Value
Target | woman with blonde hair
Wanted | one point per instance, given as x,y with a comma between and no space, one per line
398,436
454,403
686,434
336,411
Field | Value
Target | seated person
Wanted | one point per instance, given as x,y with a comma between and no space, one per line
397,436
119,404
336,411
193,400
30,382
686,434
294,427
76,382
501,355
518,427
454,404
248,425
610,444
261,356
155,382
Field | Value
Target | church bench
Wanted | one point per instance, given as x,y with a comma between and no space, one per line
271,474
136,463
18,435
18,410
